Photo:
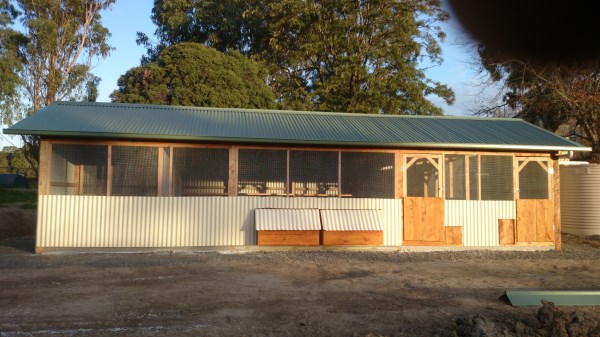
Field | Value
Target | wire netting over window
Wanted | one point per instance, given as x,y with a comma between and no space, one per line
422,178
367,175
314,173
497,178
474,182
134,170
262,172
455,177
533,181
200,171
78,169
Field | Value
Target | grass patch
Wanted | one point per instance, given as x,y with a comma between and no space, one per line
8,196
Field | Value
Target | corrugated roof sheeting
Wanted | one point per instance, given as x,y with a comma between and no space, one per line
268,219
352,220
136,121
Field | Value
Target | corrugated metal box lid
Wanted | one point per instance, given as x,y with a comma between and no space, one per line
140,121
352,219
282,219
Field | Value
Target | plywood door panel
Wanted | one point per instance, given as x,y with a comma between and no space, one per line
535,219
424,219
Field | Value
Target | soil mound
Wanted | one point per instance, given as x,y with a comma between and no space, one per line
550,321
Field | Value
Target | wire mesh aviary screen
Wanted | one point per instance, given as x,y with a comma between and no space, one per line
533,180
200,171
367,175
314,173
262,172
134,171
78,169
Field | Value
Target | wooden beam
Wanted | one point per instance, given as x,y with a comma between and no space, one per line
109,172
556,197
398,175
171,171
44,167
232,187
339,190
467,179
506,232
161,159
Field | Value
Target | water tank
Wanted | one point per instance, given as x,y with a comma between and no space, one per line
580,198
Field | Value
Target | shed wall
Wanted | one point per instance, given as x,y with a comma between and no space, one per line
112,221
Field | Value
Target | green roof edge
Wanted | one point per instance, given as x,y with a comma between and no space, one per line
294,141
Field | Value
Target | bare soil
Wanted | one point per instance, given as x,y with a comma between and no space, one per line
282,293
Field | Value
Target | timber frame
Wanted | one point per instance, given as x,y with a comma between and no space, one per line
451,236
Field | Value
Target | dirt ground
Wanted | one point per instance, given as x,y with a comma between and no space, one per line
319,293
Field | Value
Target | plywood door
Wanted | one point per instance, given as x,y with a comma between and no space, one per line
535,220
424,221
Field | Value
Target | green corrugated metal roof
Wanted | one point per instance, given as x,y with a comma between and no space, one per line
140,121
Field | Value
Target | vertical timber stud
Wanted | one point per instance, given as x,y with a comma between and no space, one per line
339,174
232,187
44,168
556,195
398,172
109,172
161,159
171,155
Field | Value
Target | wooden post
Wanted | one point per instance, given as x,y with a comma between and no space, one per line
232,187
109,172
339,174
556,195
161,158
171,155
288,189
467,178
44,168
398,175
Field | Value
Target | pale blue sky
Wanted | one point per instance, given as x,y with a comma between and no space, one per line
126,17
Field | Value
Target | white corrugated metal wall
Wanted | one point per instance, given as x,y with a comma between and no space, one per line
101,221
479,219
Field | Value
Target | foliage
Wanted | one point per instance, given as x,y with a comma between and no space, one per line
322,55
62,38
11,62
12,159
553,94
194,75
12,196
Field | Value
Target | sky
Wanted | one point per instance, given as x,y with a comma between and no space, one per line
126,17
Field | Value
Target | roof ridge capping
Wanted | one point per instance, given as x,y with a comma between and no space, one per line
275,111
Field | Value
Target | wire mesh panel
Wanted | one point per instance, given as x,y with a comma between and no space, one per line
367,175
422,176
455,177
134,170
474,183
200,171
78,169
314,173
496,174
262,172
533,181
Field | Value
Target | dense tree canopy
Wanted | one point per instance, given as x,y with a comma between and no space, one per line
195,75
553,94
352,56
61,39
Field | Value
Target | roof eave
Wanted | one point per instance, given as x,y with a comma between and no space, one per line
297,141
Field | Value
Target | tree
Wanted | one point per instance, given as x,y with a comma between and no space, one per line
11,61
553,94
350,56
195,75
63,37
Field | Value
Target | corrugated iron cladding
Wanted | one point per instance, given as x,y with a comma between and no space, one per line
352,220
267,219
479,219
100,221
579,199
138,121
